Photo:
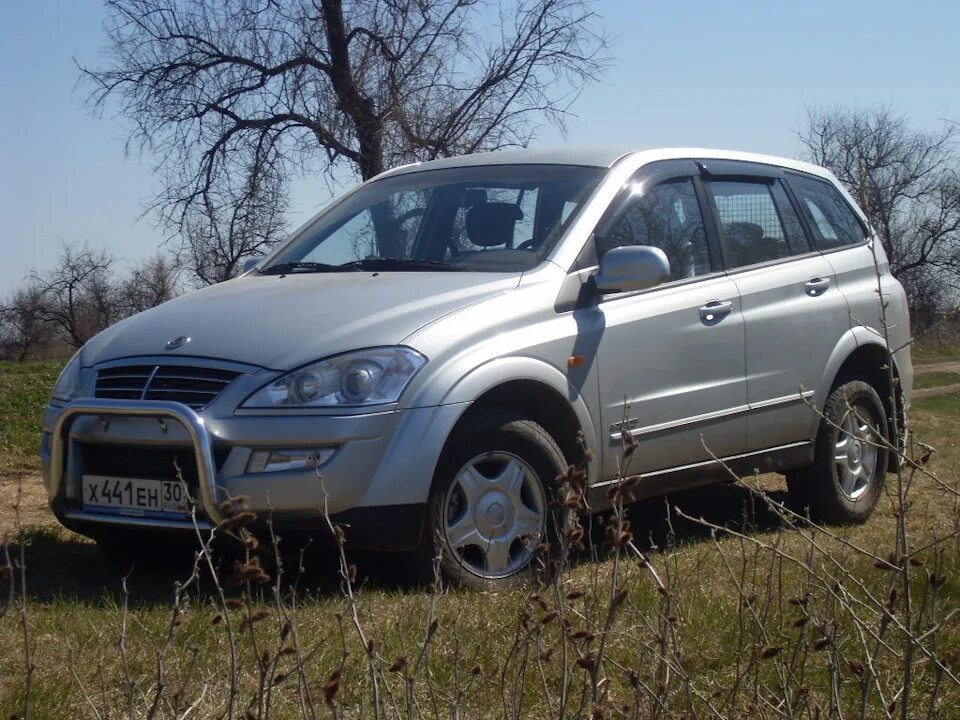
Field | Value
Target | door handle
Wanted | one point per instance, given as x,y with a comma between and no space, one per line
816,286
714,311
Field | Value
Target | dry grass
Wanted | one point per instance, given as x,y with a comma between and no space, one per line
735,615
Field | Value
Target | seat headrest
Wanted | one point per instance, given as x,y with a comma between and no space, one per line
491,224
744,231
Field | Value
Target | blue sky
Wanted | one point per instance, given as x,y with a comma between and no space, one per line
730,74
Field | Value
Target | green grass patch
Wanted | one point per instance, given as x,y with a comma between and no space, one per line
936,379
923,353
24,392
942,407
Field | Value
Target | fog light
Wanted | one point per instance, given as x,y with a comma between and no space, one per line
293,459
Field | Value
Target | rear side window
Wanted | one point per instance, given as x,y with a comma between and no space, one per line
666,216
832,220
754,227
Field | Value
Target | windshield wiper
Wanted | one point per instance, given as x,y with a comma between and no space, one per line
395,263
300,267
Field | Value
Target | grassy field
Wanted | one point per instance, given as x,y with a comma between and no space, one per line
728,611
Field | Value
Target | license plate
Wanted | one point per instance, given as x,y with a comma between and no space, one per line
135,497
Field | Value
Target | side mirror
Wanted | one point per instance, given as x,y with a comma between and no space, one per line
249,264
632,267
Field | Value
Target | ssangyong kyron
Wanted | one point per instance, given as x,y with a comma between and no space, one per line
425,357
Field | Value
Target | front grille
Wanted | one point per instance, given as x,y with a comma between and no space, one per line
195,387
148,463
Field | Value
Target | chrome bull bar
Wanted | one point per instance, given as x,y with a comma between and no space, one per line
193,423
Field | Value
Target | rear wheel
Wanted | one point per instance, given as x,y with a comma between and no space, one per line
490,506
850,458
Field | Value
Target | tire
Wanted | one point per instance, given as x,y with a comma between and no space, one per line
845,481
492,503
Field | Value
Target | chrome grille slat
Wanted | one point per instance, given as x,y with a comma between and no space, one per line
195,387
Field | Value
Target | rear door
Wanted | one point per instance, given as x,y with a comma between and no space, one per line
793,312
842,239
671,358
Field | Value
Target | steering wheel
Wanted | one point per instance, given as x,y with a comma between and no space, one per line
526,245
408,215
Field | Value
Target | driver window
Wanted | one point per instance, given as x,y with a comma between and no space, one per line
668,217
388,229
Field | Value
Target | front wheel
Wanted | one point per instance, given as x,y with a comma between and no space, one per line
490,507
850,458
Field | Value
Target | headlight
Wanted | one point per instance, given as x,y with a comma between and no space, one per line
68,384
365,377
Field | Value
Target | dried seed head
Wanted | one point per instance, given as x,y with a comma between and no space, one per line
399,665
587,662
770,651
574,595
287,650
254,618
331,687
548,618
279,678
233,604
801,621
937,580
476,670
620,597
245,518
545,655
583,635
217,620
285,631
822,644
856,667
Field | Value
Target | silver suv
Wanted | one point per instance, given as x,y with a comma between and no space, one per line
425,357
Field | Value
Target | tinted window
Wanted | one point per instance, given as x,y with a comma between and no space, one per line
751,229
668,217
832,220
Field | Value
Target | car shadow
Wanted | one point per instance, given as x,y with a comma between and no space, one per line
63,566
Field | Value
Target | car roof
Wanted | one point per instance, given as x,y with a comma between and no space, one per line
601,156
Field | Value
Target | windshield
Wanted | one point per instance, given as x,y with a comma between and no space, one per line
495,218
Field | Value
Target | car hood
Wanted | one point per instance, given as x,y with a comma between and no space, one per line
281,322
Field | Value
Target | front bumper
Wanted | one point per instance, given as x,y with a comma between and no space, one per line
378,479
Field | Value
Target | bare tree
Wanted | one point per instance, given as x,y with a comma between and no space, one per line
229,225
23,332
908,183
80,297
224,93
150,283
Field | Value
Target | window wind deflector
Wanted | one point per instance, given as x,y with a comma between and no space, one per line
393,263
301,267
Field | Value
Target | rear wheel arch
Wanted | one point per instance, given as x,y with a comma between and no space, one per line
869,362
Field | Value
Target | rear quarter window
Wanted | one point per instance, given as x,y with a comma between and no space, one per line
833,222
